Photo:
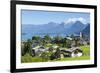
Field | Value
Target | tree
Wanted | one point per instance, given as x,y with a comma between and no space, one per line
37,39
57,53
66,43
58,40
22,48
50,49
27,48
45,56
76,41
47,38
72,36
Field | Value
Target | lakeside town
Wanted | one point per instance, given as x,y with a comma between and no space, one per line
58,48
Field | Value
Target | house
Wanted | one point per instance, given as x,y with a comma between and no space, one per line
72,52
38,50
69,38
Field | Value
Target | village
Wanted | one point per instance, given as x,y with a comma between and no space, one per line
55,49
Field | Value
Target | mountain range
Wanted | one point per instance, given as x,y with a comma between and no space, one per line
56,28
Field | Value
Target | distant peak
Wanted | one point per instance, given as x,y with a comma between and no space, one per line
51,23
78,22
62,23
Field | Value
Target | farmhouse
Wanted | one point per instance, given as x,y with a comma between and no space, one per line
72,52
38,50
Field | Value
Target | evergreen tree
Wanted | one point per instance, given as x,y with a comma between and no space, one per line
27,48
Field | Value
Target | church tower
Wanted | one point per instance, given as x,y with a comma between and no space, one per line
81,36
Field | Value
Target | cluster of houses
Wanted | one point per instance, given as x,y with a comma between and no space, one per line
71,52
74,51
82,39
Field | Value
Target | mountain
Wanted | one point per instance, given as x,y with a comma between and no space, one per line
75,27
86,30
52,28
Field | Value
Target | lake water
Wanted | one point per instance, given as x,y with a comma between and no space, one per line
26,36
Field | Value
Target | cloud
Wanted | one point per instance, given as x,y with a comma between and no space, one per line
73,20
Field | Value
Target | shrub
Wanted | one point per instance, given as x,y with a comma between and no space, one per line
45,56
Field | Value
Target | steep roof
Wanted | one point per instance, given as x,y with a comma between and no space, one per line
72,49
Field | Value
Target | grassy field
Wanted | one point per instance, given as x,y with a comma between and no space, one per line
86,50
28,59
75,58
86,56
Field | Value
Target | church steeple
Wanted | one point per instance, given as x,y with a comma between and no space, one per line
81,35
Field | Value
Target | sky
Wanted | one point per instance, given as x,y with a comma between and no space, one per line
43,17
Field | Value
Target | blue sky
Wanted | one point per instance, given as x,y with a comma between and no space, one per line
43,17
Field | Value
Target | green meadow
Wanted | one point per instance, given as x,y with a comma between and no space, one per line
86,56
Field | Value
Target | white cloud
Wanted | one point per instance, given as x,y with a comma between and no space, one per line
73,20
